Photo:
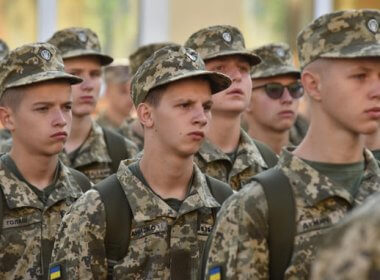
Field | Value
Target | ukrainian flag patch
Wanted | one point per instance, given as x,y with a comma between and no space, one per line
215,273
55,272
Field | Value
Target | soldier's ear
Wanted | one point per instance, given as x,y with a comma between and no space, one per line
311,82
144,113
7,117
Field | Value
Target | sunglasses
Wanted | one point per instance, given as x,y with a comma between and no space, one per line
276,90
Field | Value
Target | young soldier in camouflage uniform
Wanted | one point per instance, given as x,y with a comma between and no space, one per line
228,154
169,198
330,172
36,189
86,149
117,96
131,128
276,90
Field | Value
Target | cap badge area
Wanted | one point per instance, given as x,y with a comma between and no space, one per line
373,25
280,52
191,56
82,37
45,54
227,37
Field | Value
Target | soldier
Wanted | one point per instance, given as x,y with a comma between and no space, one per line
275,97
351,250
117,94
90,149
228,154
131,128
328,174
36,189
169,198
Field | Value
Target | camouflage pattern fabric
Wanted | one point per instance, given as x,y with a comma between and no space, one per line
276,59
29,225
144,52
6,145
92,158
220,40
352,250
158,232
128,132
4,49
239,240
77,42
116,73
104,121
343,34
5,134
171,64
215,163
31,64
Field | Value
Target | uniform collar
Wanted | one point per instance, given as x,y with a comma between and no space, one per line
315,187
247,154
18,194
94,149
146,205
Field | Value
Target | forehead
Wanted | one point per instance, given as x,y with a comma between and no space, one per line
188,88
228,59
282,79
83,62
50,90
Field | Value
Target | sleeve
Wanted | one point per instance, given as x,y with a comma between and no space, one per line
237,247
79,251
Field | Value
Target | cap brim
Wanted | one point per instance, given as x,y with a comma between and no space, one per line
104,59
276,71
45,76
369,49
253,59
218,81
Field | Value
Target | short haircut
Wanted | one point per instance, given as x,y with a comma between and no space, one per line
12,98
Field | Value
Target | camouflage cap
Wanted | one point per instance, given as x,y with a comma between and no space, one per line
342,34
220,40
276,60
31,64
117,72
4,50
171,64
144,52
77,41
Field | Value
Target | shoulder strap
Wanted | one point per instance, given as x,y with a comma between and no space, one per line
118,220
281,219
82,180
219,190
268,155
116,148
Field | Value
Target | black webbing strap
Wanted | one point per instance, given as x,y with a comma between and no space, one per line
281,219
116,148
118,220
268,155
83,182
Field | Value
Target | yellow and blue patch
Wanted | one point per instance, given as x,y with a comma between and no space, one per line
215,273
55,272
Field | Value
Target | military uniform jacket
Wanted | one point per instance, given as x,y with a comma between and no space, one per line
93,158
160,236
248,162
127,131
29,225
104,121
239,241
352,250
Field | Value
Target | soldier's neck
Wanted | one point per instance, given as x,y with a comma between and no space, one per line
167,175
36,168
225,131
80,129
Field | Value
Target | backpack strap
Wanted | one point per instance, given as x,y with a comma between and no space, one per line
268,155
219,190
118,220
115,147
281,220
82,180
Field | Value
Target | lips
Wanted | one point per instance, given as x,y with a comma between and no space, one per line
286,113
197,135
59,135
87,98
374,112
235,91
